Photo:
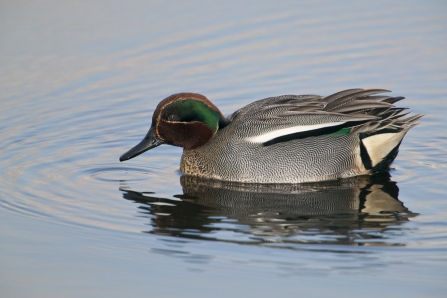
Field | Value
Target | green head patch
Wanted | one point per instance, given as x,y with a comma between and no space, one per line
190,110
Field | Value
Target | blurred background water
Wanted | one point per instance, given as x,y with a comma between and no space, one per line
78,84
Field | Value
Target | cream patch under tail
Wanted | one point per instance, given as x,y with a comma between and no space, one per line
380,146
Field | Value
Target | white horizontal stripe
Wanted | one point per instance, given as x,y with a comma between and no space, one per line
287,131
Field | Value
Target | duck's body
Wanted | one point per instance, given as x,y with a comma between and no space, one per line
285,139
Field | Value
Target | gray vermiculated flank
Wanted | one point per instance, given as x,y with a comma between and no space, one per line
230,156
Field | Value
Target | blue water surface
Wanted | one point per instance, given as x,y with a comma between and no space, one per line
79,82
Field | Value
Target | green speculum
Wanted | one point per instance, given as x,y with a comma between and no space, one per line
343,131
190,110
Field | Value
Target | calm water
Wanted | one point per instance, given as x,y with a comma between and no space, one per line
78,84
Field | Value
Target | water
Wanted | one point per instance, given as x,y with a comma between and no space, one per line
78,84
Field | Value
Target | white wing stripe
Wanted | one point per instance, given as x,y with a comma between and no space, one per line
287,131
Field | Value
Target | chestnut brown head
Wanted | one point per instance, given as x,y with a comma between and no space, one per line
187,120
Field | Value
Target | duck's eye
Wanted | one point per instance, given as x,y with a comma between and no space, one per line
173,117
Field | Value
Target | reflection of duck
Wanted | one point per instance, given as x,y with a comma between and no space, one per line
284,139
332,209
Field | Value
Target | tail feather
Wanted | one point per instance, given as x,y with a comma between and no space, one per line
380,140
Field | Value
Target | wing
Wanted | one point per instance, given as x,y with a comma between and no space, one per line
278,119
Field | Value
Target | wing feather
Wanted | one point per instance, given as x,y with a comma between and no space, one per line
362,110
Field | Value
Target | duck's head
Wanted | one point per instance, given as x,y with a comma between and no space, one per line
187,120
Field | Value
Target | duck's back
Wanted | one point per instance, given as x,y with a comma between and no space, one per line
292,139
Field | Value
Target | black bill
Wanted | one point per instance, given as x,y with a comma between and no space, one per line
150,141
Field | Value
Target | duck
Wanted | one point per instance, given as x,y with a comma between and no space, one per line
282,139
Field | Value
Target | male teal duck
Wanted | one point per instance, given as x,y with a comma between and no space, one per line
284,139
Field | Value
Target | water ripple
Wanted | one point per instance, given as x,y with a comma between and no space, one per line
72,104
